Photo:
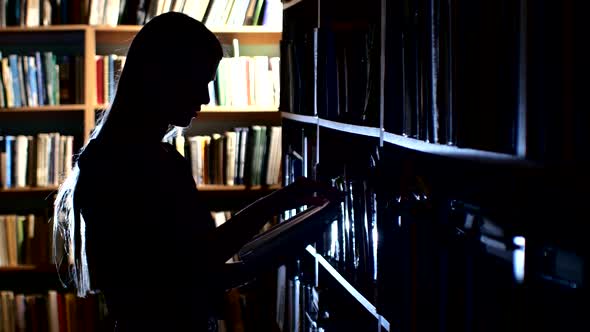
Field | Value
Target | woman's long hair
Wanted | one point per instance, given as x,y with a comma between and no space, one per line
167,43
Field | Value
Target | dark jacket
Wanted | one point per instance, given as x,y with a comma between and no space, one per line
147,235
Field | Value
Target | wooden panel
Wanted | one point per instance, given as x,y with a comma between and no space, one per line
56,108
123,35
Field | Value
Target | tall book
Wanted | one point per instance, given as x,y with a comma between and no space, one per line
230,157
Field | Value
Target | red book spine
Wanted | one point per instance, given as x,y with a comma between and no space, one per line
61,310
100,80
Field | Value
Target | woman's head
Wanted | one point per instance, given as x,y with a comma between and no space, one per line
169,64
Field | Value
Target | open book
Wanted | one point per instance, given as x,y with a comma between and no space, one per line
283,241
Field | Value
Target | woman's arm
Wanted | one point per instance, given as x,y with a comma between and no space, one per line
228,238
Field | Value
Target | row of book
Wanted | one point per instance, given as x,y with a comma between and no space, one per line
245,308
308,299
487,75
247,155
333,74
305,306
53,311
333,71
35,161
471,75
240,81
351,242
24,239
444,62
297,302
210,12
246,81
33,13
43,78
435,259
108,69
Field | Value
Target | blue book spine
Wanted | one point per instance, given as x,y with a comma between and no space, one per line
9,147
40,78
13,61
33,80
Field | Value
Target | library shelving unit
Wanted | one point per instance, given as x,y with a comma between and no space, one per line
79,119
468,234
89,41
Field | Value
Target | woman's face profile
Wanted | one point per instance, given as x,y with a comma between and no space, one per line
187,92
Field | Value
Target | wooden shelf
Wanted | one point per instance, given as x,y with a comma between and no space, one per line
122,34
246,34
349,288
56,108
221,109
236,188
118,28
205,187
29,190
21,197
224,198
250,113
239,113
48,268
51,28
29,198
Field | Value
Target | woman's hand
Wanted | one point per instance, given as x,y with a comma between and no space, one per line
247,222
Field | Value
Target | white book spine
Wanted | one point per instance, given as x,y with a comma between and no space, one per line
33,13
193,144
21,160
112,12
69,155
231,156
262,85
275,64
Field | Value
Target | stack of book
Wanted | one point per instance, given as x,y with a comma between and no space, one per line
35,161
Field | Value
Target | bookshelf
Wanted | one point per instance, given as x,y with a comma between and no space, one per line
79,119
413,144
76,116
429,173
88,41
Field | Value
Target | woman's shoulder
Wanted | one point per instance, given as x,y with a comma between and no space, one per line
130,162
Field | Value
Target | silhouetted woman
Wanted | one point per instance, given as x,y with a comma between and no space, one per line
133,221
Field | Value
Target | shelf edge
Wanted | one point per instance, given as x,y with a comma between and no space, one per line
300,118
44,108
453,151
355,293
291,3
350,128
